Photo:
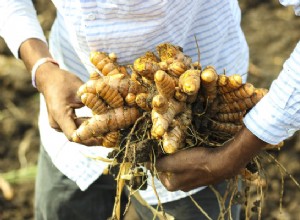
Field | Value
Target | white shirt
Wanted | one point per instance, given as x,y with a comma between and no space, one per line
277,116
128,28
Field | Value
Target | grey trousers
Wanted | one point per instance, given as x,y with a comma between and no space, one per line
59,198
185,208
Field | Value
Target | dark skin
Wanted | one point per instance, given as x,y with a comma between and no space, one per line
58,86
189,169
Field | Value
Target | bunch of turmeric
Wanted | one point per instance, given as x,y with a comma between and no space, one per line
181,106
107,96
178,95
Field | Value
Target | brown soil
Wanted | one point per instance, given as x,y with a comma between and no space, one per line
270,32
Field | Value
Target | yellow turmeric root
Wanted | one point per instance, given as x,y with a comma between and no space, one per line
112,120
161,122
189,82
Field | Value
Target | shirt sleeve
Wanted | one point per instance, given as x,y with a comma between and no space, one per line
277,116
294,3
18,22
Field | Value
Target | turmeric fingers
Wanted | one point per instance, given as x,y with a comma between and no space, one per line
168,87
112,120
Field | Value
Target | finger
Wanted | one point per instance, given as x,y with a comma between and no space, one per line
171,163
171,181
165,164
67,122
80,120
76,103
53,124
176,181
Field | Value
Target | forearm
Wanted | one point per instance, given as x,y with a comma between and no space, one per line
239,151
32,50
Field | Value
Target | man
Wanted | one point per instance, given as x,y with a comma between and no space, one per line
275,118
74,188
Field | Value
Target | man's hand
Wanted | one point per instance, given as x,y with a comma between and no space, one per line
192,168
58,86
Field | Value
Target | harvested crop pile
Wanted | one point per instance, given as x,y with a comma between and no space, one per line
161,104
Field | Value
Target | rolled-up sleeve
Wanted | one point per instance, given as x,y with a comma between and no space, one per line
18,22
277,116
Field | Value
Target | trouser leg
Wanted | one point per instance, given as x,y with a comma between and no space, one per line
185,208
59,198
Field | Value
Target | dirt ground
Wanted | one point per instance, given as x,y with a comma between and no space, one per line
271,33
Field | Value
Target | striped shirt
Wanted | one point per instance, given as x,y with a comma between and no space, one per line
277,116
129,28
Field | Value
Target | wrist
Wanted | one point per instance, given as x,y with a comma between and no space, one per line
40,67
241,150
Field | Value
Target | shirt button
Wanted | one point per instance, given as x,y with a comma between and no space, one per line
91,17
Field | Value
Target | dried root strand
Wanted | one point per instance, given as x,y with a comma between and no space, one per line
248,175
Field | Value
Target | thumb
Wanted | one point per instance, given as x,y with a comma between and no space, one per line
67,123
166,163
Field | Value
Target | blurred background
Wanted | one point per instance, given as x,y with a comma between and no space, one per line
272,32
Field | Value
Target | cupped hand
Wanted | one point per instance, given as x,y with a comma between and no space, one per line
199,166
59,88
191,168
